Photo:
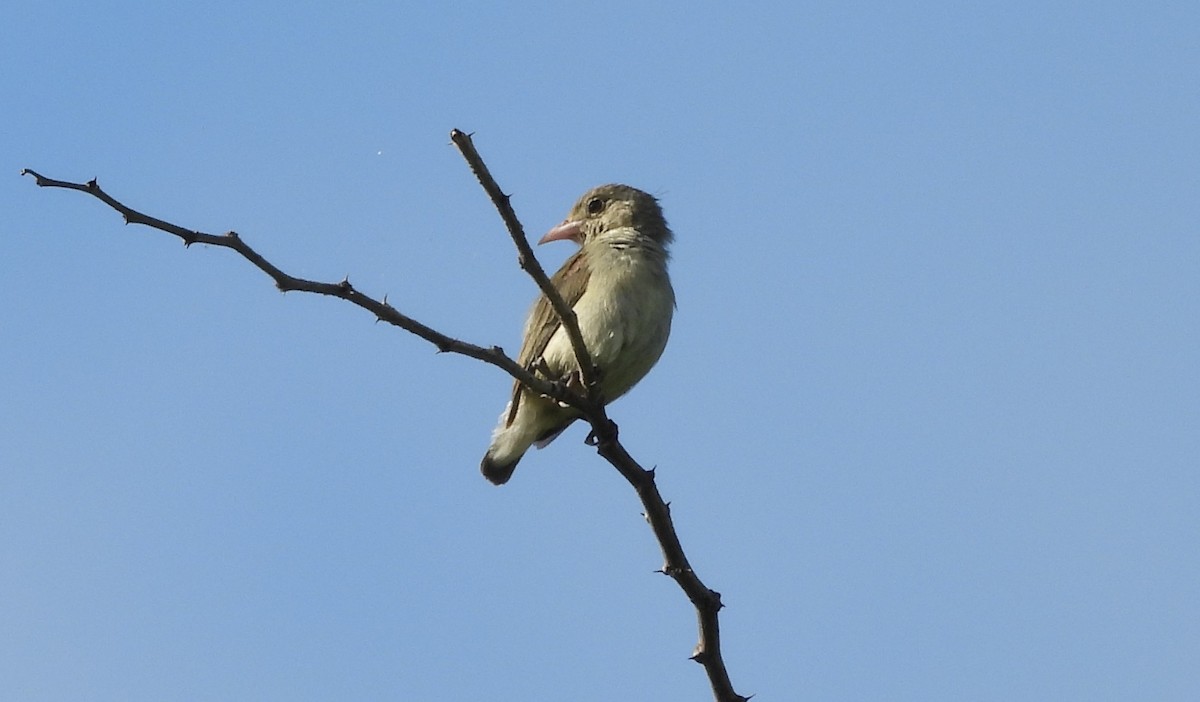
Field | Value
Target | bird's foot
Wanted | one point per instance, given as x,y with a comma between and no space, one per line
574,381
570,383
540,366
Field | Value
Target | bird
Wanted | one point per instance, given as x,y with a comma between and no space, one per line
618,286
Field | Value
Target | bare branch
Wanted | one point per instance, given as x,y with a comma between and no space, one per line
604,432
528,262
675,564
383,311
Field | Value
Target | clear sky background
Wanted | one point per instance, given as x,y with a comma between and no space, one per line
929,418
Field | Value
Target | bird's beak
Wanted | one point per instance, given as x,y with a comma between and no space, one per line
567,230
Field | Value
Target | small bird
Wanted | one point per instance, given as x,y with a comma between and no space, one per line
617,283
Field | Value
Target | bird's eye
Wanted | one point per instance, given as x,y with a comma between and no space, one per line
595,205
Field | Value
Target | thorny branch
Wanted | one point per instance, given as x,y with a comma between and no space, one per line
528,262
604,431
382,310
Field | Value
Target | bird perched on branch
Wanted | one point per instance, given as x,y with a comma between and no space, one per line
618,286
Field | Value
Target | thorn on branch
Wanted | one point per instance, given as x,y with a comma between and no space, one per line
92,185
386,310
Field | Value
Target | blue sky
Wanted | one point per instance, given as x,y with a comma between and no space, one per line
929,419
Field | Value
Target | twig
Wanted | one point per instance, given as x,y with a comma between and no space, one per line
706,601
528,262
382,310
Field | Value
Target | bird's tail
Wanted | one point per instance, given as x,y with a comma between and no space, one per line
510,443
498,472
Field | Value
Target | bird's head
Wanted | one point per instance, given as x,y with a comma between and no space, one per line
609,208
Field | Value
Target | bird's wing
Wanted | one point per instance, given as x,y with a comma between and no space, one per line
570,281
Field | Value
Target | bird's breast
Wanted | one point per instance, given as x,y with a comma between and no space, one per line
624,317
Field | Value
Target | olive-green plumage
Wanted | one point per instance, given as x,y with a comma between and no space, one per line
618,286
